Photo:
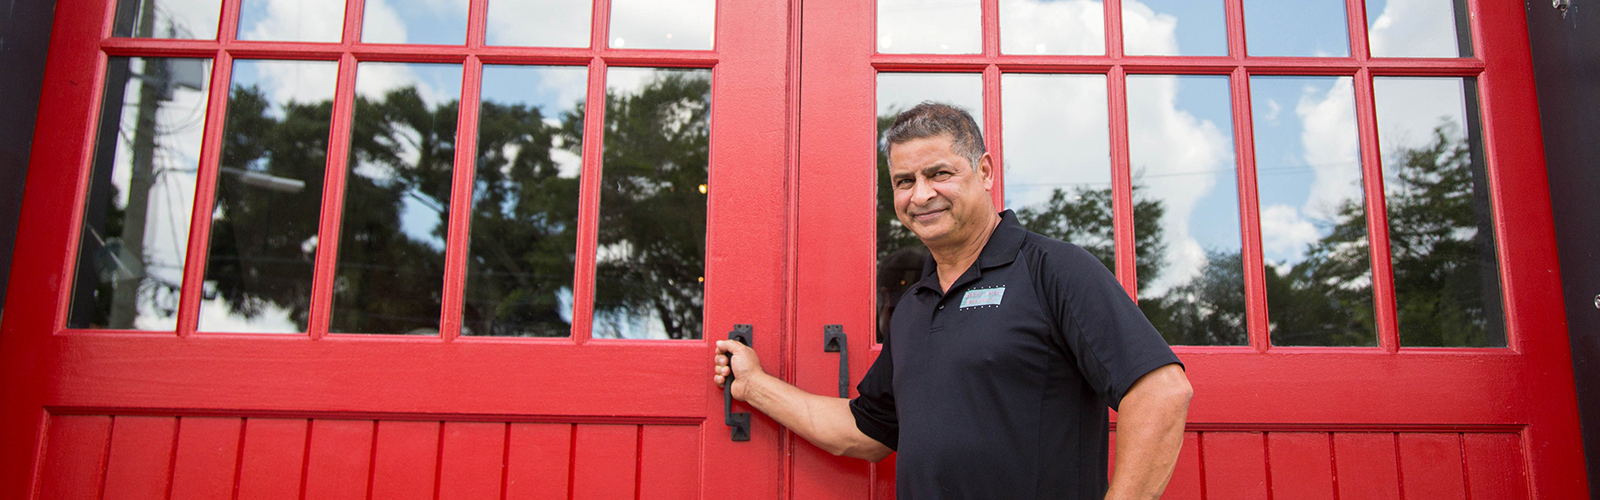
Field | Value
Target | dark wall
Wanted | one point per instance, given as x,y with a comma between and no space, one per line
24,36
1566,65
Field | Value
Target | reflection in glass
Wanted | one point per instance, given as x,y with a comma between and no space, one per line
190,19
397,197
1191,273
900,253
1174,28
930,26
1068,27
650,263
1313,28
1418,28
1441,229
539,23
141,192
1058,158
269,197
663,24
1313,220
525,202
291,20
440,22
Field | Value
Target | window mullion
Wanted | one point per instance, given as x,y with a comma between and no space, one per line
1356,12
1113,17
1255,284
194,268
1122,181
344,98
457,241
1377,214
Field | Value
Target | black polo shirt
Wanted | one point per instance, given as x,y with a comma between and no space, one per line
999,388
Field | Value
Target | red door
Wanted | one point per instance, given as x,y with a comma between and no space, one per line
1335,210
399,249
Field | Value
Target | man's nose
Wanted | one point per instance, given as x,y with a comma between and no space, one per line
921,192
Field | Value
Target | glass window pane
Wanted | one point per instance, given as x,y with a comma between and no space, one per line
930,27
900,253
397,198
191,19
539,23
136,215
1300,28
1313,217
525,202
1174,28
439,22
1441,229
269,197
291,20
663,24
1180,145
1058,158
1418,28
1070,27
650,263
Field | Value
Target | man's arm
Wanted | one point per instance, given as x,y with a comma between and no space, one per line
1149,433
824,421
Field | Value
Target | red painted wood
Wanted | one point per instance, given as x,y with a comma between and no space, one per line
883,479
1364,463
405,460
669,457
340,459
1301,465
538,461
1111,457
74,465
272,462
605,461
206,459
139,463
1186,476
1430,466
1495,466
472,461
1235,465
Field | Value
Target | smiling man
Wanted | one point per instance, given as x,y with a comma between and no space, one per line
1000,363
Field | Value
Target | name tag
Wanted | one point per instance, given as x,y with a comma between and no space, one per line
983,297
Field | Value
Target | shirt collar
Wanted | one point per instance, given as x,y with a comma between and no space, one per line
1001,249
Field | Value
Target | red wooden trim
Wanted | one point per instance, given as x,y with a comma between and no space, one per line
993,107
1122,182
1113,29
327,259
458,241
1255,283
589,203
353,11
194,271
1383,296
1233,16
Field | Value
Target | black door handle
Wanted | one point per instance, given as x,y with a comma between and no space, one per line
834,340
740,422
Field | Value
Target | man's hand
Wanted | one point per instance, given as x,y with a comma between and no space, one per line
745,365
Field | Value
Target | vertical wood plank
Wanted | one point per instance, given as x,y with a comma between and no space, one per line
883,483
1430,466
140,459
1365,467
539,458
604,463
1111,457
405,460
273,457
1235,464
669,462
1495,467
75,457
473,460
1185,483
1301,465
207,456
340,456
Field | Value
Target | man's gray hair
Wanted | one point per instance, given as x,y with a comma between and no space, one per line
932,119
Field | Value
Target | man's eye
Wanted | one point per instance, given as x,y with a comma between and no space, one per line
941,175
902,183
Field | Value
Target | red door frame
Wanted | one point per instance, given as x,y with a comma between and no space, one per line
51,370
1526,388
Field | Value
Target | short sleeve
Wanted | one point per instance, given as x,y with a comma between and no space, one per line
1111,340
874,409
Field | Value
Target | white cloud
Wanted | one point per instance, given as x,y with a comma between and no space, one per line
216,316
1144,32
1410,108
930,26
1074,27
539,23
196,19
655,24
297,20
381,23
1056,135
1273,109
1331,147
1414,28
1285,233
304,82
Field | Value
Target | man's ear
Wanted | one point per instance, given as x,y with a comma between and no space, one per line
986,169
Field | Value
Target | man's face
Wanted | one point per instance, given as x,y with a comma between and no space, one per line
938,194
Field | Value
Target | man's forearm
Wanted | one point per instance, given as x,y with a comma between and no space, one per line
1150,434
824,421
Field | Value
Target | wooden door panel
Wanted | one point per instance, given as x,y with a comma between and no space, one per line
207,450
335,466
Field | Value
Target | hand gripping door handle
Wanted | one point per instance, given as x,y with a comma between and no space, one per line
834,340
740,422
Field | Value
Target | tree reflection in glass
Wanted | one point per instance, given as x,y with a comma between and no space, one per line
525,202
191,19
268,197
650,259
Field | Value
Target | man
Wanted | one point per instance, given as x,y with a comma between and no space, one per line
1001,361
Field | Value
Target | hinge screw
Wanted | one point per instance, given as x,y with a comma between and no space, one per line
1597,302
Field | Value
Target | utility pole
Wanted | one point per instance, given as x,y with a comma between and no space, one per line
153,88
